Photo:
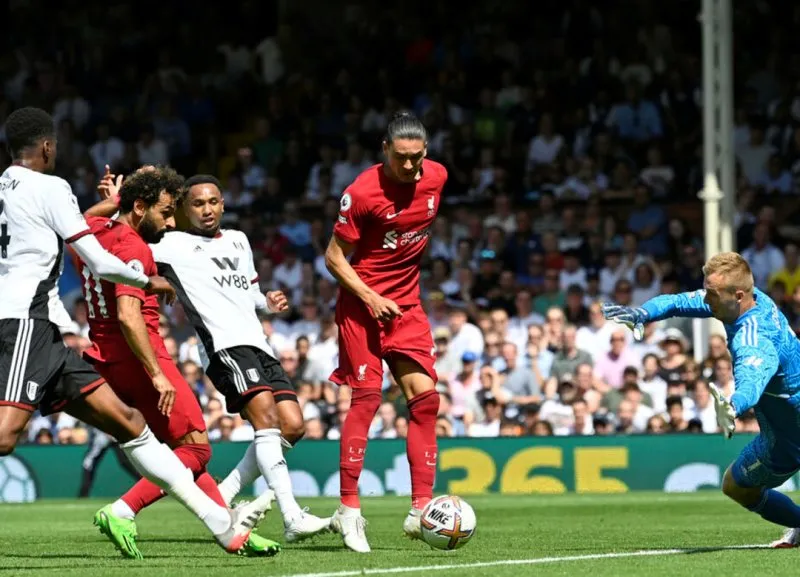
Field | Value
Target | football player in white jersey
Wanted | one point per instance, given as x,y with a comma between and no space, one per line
38,213
214,275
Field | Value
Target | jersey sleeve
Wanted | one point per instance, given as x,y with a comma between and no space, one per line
62,214
756,363
138,256
353,212
690,304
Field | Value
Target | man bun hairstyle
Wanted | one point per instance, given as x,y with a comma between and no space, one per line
25,127
146,184
405,125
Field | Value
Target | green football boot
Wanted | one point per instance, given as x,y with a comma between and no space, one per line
258,546
121,532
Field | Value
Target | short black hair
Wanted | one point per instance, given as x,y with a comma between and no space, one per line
405,125
202,179
27,126
146,184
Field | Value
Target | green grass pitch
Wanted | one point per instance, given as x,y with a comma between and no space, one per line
650,534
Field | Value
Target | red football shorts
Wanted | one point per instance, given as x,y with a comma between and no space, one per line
364,343
133,385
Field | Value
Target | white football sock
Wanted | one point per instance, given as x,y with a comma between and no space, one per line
158,464
245,474
350,511
269,454
121,509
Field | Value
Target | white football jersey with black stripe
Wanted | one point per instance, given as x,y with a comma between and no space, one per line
213,279
38,213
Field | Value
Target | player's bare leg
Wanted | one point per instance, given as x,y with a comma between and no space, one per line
423,406
347,520
103,409
770,504
12,423
265,457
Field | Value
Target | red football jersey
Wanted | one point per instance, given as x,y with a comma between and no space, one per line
389,222
108,342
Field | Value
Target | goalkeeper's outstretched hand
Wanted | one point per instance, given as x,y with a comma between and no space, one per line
633,318
726,414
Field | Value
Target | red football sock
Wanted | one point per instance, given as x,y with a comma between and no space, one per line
353,444
421,446
195,458
208,486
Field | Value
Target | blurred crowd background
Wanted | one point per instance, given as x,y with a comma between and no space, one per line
572,136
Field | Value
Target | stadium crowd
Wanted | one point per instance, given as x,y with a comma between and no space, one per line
572,157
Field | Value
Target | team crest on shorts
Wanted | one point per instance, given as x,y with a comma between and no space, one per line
31,390
252,374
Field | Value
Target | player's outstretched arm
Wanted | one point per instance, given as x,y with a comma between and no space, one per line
688,304
105,265
134,328
336,255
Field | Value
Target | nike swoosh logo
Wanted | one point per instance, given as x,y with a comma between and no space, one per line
430,464
393,215
352,460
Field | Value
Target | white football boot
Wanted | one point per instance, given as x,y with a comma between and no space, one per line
304,526
352,527
790,539
411,526
245,518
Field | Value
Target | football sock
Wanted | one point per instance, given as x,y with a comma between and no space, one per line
269,454
777,508
353,445
145,493
421,446
156,462
244,474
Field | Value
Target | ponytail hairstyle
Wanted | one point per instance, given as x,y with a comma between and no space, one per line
405,125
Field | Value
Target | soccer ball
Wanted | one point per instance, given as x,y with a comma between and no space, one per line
16,483
448,522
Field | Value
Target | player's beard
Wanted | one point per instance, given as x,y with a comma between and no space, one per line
149,231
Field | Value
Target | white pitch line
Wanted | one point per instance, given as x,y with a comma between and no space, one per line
510,562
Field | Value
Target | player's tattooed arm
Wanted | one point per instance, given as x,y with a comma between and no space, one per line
338,250
134,328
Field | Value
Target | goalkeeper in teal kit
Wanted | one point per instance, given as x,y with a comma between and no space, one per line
766,368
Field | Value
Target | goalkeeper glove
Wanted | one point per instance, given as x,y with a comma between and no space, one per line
633,318
726,414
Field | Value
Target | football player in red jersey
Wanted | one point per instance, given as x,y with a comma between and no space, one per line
383,226
130,354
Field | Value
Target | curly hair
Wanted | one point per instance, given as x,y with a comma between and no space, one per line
25,127
147,184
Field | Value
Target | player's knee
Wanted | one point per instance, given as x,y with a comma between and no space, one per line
292,425
745,496
129,425
7,443
424,407
366,400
